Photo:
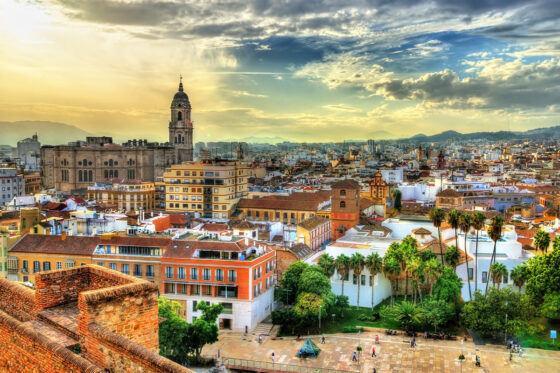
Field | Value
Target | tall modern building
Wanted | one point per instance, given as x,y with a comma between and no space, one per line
76,166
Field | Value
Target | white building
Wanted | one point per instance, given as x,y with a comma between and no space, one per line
12,184
393,176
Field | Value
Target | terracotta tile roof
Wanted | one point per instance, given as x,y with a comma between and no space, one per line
301,250
178,219
346,183
53,206
71,245
365,203
313,222
241,224
274,204
185,249
421,231
215,227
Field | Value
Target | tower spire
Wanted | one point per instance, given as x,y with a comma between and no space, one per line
180,83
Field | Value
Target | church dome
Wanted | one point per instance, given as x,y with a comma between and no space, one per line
180,99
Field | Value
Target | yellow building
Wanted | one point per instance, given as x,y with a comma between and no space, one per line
314,232
127,195
211,188
36,253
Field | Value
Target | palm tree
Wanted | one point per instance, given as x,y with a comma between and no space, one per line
391,270
542,240
408,314
408,250
519,275
495,233
452,257
342,265
374,264
477,223
465,223
357,262
497,272
433,270
416,269
437,216
326,262
453,220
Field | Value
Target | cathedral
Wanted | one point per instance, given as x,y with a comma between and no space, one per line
74,167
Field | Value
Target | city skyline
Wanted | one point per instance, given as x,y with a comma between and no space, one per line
299,70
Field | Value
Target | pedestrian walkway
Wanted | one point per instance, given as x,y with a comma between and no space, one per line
394,354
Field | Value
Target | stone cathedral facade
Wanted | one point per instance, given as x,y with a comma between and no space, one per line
73,167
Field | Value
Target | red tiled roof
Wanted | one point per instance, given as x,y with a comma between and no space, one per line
71,245
449,193
274,204
53,206
215,227
178,219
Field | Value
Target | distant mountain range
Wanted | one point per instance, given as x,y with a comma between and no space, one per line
52,133
537,133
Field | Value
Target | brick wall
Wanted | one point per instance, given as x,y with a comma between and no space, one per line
25,350
17,300
60,287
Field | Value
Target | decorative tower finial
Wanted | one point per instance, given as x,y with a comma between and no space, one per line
180,83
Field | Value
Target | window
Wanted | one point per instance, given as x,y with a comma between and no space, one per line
58,265
505,278
36,266
484,276
194,303
194,273
342,204
137,270
232,275
125,269
169,272
363,280
181,272
219,275
227,308
354,279
25,266
195,289
342,192
208,290
471,271
98,263
113,266
206,274
149,270
46,266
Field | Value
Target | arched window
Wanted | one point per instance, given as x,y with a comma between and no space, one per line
116,173
179,116
111,174
106,174
84,162
343,192
110,162
80,175
90,175
342,204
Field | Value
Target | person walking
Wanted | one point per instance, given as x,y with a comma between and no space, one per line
323,339
376,339
272,357
374,370
373,352
354,357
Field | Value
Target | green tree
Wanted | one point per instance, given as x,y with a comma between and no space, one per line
452,257
465,223
437,312
314,280
374,265
357,263
497,272
447,286
408,251
495,233
519,275
433,270
426,255
543,274
437,216
173,332
204,330
486,314
407,313
291,280
478,222
397,200
550,308
415,267
542,240
342,265
326,262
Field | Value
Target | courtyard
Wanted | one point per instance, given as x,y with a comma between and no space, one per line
394,354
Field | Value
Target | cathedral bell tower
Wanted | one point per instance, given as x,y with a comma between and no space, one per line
180,126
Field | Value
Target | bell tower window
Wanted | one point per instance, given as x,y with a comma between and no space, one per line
180,116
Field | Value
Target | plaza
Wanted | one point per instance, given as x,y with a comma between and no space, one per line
394,354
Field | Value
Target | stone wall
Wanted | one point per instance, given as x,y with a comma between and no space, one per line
25,350
17,300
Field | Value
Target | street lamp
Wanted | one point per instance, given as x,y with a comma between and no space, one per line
505,332
320,307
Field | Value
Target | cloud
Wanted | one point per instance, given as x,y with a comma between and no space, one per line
244,94
343,108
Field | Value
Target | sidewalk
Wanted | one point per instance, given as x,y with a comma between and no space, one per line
393,354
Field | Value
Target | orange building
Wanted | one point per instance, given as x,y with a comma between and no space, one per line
345,206
240,275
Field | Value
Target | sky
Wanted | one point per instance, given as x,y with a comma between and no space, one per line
301,70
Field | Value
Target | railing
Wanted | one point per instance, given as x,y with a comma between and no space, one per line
267,366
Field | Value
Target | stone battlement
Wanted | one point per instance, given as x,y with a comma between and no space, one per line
112,317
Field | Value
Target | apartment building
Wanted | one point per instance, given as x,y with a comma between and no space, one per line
12,184
126,195
210,188
238,274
